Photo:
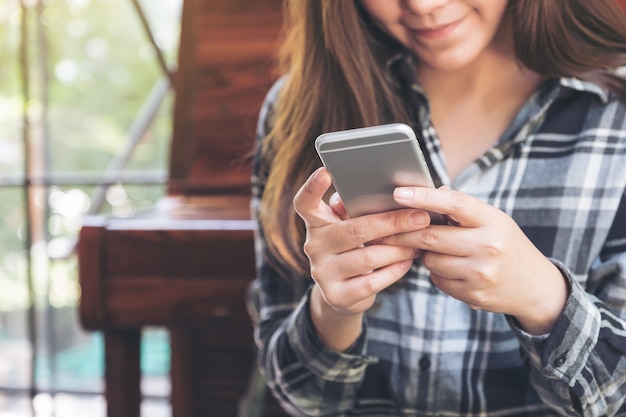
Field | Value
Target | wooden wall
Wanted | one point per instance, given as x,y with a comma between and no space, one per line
226,67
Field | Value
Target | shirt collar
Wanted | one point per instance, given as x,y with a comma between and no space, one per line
585,86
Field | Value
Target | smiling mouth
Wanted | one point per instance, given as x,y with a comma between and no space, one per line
438,31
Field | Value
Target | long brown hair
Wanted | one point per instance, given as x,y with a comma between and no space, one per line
335,58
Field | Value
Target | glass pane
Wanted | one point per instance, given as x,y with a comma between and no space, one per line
91,70
164,18
75,358
155,408
155,363
126,200
11,150
15,349
72,359
152,152
15,405
67,405
67,357
102,69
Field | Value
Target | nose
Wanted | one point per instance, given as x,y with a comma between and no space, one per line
423,7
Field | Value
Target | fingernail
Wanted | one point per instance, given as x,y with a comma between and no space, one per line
403,193
334,199
418,218
316,174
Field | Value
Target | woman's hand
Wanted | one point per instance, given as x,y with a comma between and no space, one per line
484,260
349,269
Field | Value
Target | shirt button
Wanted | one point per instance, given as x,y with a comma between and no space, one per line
558,362
424,363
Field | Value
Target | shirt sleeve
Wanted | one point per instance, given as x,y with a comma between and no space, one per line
306,377
580,367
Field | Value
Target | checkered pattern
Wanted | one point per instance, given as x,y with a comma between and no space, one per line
560,172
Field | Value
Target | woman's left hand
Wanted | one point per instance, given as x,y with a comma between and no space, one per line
485,259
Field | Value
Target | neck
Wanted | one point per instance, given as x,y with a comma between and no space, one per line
471,107
493,75
492,78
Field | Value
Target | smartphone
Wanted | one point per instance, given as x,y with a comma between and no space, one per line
366,164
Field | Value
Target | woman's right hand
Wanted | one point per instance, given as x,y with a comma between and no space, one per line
347,265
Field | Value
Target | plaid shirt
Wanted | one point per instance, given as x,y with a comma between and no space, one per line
560,172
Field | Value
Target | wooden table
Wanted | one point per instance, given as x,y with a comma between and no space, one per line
185,267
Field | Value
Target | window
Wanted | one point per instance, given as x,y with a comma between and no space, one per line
85,124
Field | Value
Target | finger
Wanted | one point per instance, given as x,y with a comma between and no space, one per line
447,273
366,259
461,208
456,277
445,266
452,287
363,229
336,204
364,286
475,298
455,241
308,201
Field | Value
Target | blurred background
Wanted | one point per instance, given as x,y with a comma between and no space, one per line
85,125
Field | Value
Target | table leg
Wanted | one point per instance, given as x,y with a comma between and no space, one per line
122,372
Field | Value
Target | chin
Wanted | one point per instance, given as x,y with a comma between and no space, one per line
445,64
447,59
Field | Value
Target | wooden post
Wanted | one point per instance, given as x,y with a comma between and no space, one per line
122,372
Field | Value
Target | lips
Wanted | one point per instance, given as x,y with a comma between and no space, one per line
438,30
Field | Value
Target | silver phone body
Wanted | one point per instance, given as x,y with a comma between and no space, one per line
366,164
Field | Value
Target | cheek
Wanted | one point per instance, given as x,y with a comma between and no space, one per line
399,33
381,9
493,16
387,14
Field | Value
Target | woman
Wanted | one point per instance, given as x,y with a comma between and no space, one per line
519,309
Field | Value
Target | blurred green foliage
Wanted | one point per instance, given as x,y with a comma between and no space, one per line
90,69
